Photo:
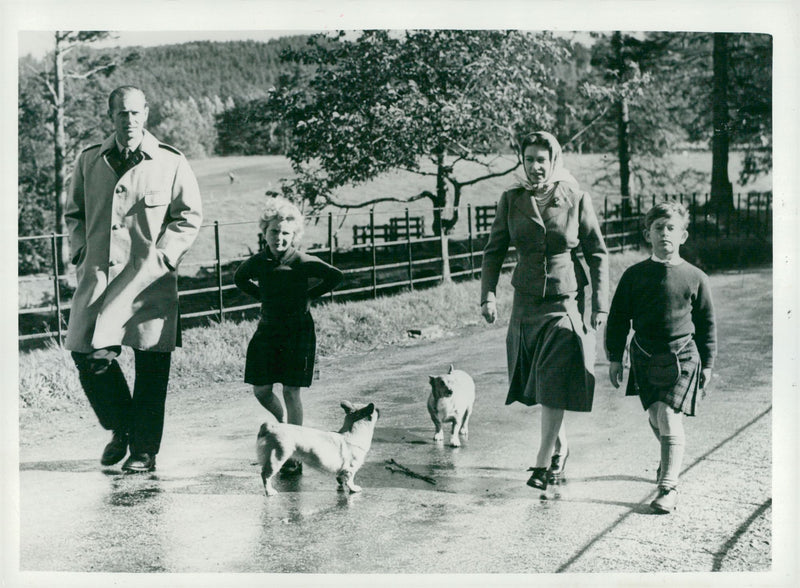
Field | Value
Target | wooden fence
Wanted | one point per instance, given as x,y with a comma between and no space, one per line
398,256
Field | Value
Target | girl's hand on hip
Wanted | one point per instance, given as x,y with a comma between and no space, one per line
489,311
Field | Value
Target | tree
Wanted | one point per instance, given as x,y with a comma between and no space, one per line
430,102
56,83
721,188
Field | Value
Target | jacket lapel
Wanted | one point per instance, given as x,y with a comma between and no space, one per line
523,203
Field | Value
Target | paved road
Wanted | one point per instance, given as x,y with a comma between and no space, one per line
204,510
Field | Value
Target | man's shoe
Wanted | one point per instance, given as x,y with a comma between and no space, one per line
139,462
558,466
538,478
115,450
666,501
291,468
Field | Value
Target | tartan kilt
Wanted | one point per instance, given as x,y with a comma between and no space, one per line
682,396
282,352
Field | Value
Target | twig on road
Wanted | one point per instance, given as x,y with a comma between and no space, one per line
404,470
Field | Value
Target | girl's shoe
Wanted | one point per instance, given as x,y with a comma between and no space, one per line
558,466
538,478
666,501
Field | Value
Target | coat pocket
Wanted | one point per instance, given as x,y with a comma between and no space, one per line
156,198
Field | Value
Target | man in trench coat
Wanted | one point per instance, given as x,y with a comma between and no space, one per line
132,212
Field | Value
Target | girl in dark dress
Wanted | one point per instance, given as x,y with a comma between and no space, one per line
285,280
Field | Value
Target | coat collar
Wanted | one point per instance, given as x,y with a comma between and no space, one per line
149,145
565,199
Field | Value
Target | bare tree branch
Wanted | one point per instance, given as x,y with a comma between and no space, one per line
347,206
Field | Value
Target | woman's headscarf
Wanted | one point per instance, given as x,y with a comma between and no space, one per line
545,190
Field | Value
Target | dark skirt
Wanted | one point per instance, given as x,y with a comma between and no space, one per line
682,396
282,352
550,355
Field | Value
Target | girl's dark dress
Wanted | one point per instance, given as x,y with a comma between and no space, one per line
283,347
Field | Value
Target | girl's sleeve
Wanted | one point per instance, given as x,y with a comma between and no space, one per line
619,320
705,329
243,278
594,252
495,251
329,277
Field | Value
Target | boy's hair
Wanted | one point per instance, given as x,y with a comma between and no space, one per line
667,209
280,208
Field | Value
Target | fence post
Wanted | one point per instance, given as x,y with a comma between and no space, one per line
57,287
330,246
219,271
622,208
471,244
374,256
638,227
408,251
445,253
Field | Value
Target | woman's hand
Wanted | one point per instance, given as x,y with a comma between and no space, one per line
598,319
615,373
489,311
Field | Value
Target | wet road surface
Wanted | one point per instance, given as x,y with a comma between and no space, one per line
204,510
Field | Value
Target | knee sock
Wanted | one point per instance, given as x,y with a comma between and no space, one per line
672,447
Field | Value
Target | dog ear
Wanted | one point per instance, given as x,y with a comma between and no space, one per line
370,408
348,408
451,369
431,379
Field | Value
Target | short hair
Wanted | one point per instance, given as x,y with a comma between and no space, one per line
667,209
121,91
278,207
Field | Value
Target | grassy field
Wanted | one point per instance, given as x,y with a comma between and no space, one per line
240,202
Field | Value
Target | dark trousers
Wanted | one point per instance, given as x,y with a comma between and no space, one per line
141,414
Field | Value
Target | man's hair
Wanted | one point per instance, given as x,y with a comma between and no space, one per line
120,92
667,209
278,207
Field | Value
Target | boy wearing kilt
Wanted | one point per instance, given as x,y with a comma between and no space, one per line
668,303
285,280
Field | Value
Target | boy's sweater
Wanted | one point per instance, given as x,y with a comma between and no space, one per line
664,303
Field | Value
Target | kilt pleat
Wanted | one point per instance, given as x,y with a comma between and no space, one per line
682,396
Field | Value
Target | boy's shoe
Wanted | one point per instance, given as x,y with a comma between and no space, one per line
538,478
291,468
558,466
666,501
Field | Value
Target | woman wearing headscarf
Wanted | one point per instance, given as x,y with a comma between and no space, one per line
550,349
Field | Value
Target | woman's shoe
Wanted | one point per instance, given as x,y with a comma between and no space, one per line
538,478
558,466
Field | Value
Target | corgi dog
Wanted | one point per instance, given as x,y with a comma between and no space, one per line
342,452
451,400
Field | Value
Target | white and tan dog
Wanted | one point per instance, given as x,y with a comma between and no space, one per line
451,400
341,452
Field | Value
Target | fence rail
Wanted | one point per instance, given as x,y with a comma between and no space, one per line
398,256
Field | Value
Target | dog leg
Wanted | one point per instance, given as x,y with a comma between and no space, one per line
465,425
348,481
438,434
454,440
